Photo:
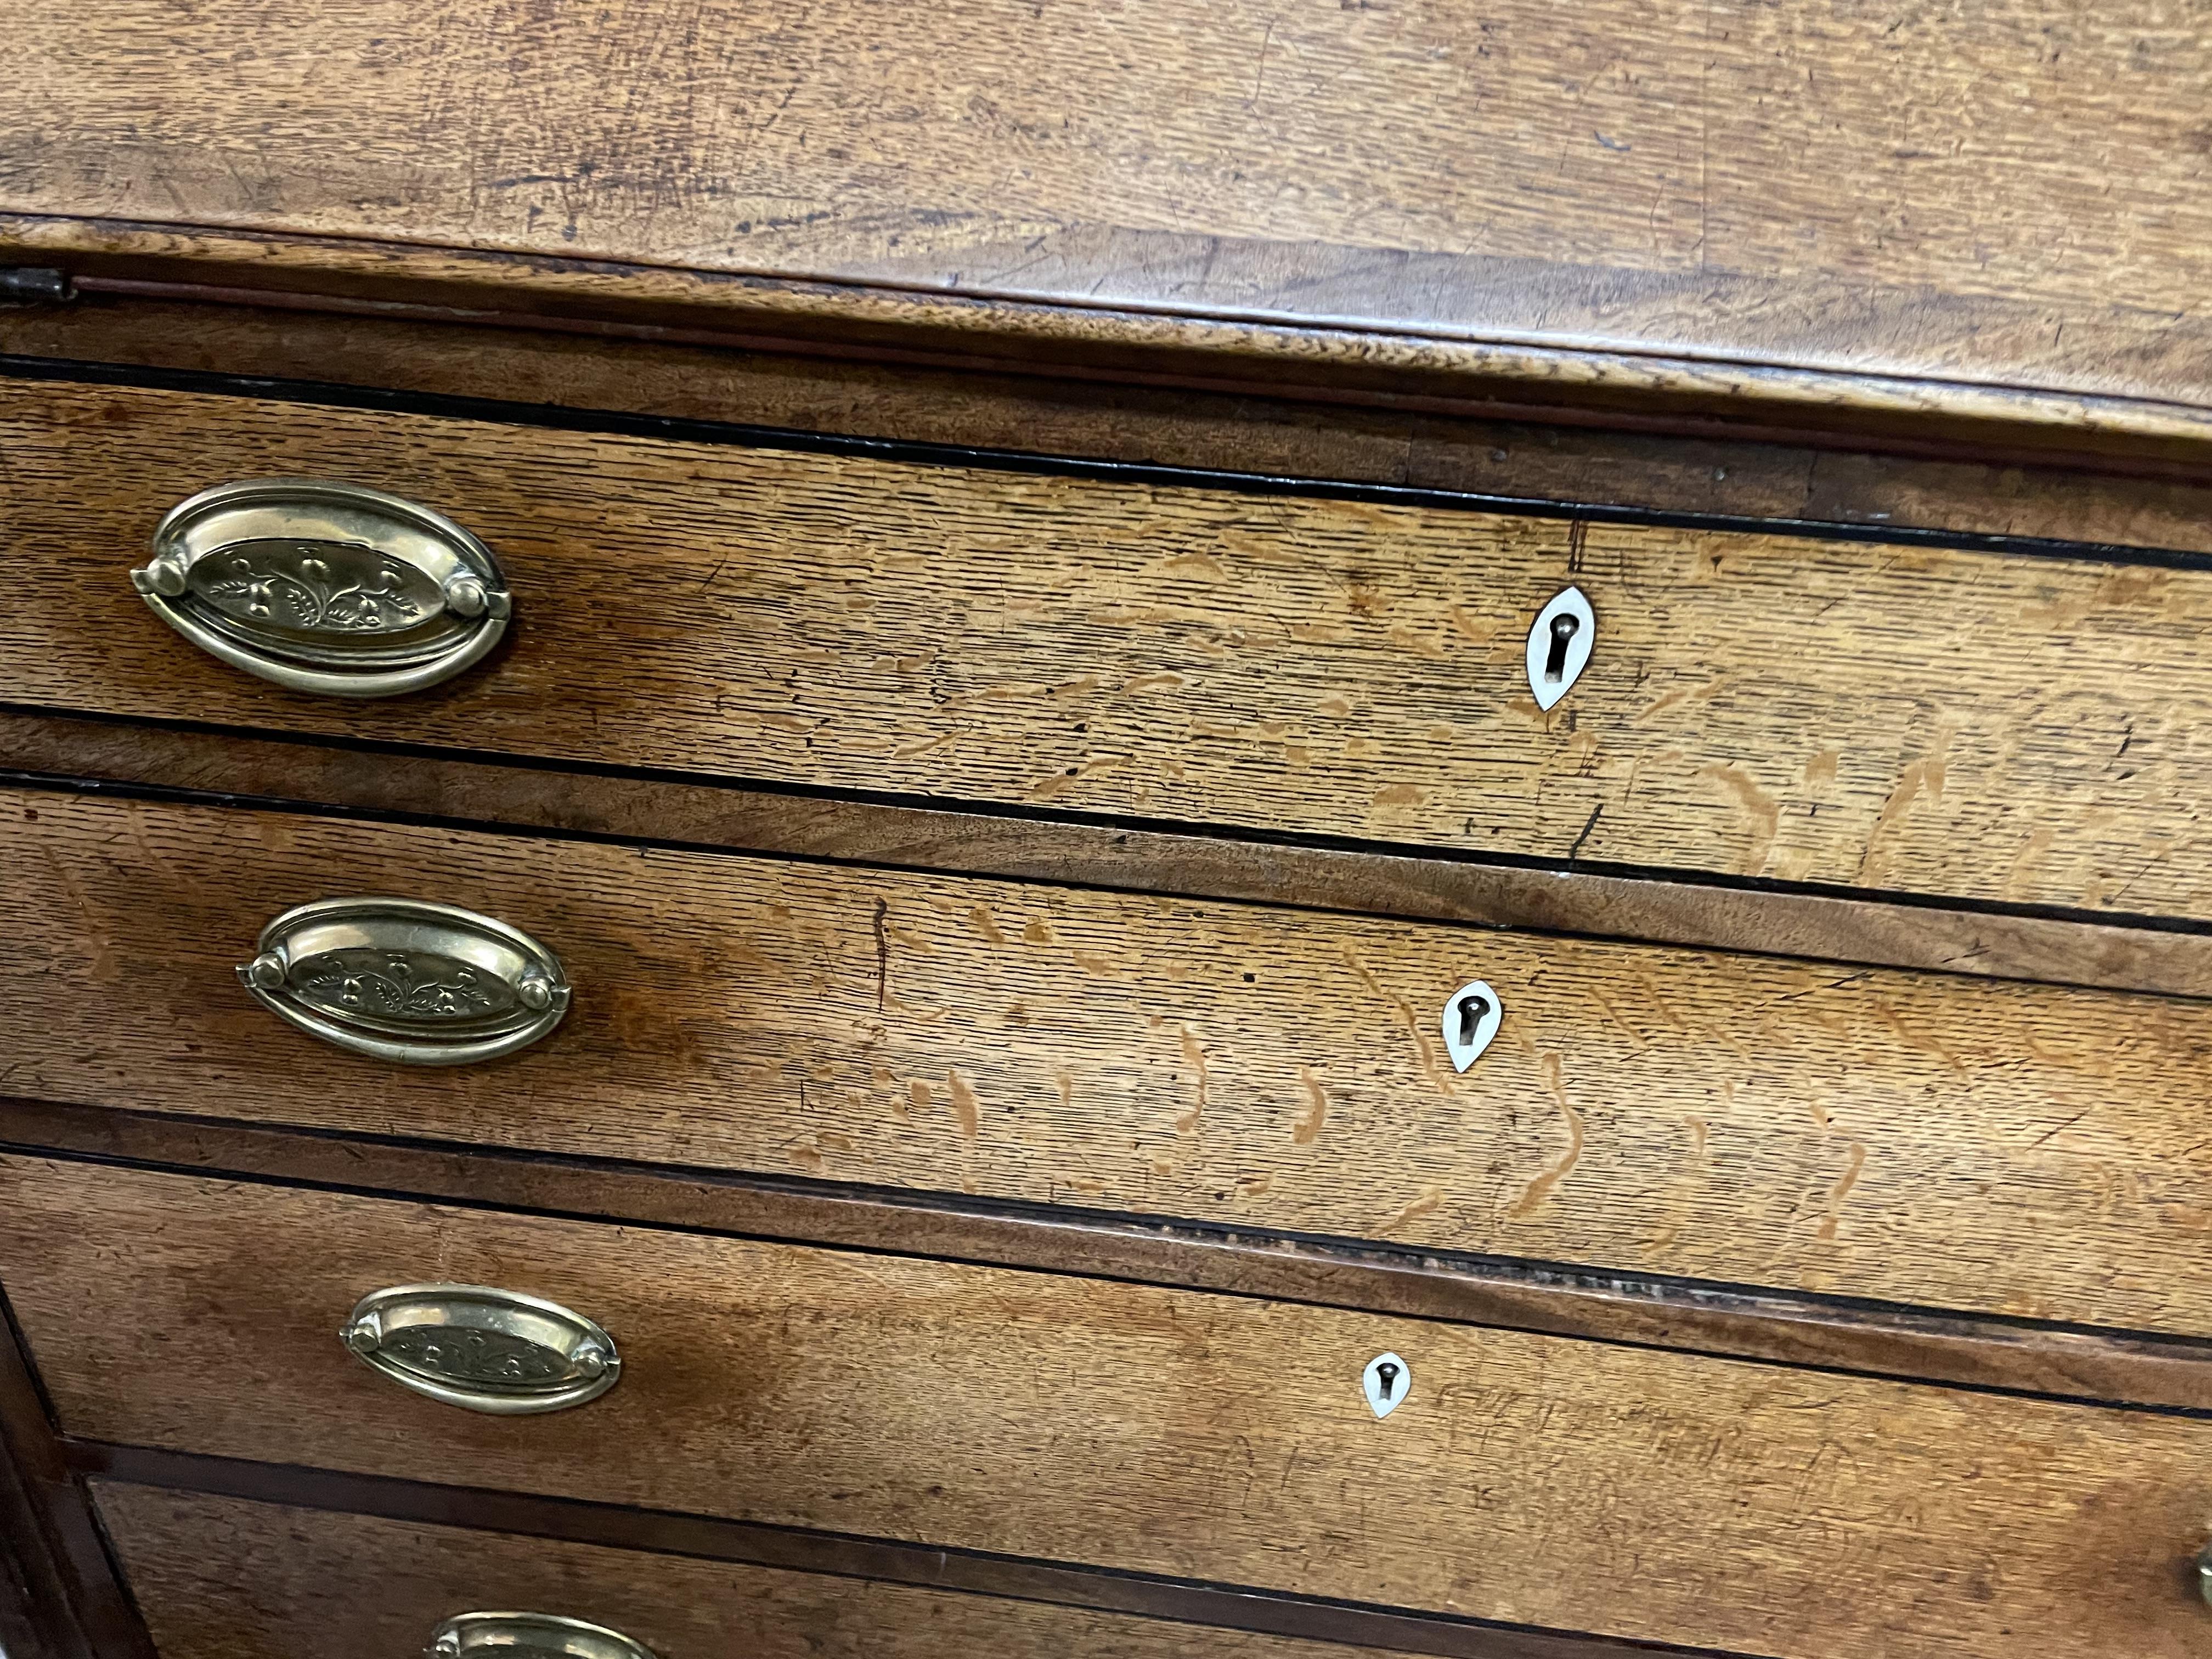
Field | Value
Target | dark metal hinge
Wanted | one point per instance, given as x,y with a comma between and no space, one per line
35,285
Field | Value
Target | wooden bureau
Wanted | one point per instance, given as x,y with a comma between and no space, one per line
1276,833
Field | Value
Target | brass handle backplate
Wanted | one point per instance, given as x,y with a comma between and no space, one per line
529,1636
483,1348
401,980
325,587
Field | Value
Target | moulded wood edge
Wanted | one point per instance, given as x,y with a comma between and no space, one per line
220,767
576,1521
1935,1348
1284,358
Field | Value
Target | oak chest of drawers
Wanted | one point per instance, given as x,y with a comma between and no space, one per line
1132,832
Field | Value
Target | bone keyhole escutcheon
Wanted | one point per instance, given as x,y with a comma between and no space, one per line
1472,1014
1559,641
1386,1381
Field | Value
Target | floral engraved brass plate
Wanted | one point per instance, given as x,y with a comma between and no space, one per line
483,1348
318,587
401,980
325,587
488,1357
399,985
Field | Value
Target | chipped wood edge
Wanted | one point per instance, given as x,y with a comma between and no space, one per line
1226,352
226,766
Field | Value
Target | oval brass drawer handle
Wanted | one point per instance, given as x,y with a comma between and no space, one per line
483,1348
325,587
529,1636
421,984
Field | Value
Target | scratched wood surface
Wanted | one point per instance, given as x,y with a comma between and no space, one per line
1963,723
221,1578
2001,194
1970,1144
1525,1479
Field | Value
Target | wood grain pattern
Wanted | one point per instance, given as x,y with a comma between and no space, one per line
380,344
224,1579
1963,723
484,794
1972,1145
1765,1510
707,1538
2023,205
1827,1333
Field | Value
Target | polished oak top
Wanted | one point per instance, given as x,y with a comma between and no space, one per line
2002,198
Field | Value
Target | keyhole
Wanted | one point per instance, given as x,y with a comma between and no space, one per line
1473,1011
1387,1375
1563,628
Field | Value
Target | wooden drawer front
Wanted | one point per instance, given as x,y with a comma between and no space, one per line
221,1578
1529,1478
1957,1142
1874,715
